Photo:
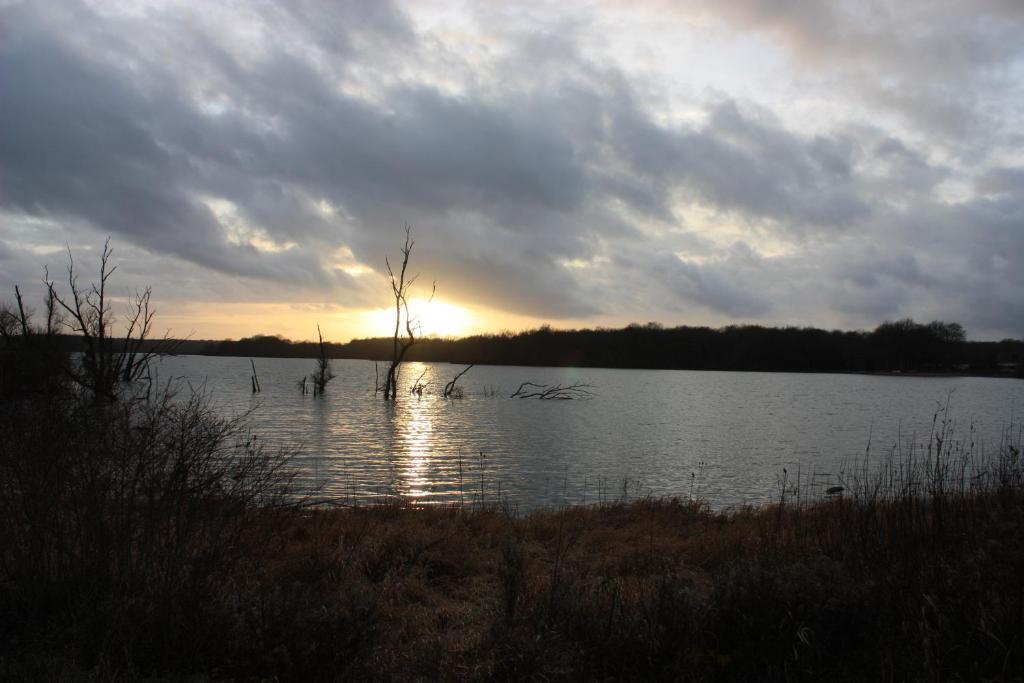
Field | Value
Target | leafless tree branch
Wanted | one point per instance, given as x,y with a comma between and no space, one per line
324,373
450,388
107,361
400,285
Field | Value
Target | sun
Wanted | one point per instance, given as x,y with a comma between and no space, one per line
435,318
440,318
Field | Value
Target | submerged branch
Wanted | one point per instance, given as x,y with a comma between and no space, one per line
557,392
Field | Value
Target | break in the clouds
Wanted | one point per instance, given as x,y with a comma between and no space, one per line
834,163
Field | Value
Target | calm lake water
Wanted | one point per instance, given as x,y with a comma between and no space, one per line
722,436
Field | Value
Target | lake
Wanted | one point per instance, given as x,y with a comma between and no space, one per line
722,436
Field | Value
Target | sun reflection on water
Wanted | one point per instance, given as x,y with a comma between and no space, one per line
414,436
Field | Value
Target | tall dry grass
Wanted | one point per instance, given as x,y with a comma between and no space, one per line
119,519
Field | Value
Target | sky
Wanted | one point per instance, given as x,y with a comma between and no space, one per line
581,164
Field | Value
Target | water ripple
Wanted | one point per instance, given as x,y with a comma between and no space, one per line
722,436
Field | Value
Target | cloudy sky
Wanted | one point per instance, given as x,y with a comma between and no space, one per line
832,164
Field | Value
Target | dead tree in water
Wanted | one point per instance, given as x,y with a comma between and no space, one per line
450,390
324,373
418,386
400,285
552,393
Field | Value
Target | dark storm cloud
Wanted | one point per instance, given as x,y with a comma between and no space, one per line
255,141
930,260
736,162
727,285
877,284
1002,180
77,141
904,171
717,287
988,281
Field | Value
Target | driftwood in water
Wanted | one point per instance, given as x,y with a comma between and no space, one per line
418,386
254,379
450,390
557,392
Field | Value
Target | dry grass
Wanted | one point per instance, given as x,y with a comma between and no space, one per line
650,589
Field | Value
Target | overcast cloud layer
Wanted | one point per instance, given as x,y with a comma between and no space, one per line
834,163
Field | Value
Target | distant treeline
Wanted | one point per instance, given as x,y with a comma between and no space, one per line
903,346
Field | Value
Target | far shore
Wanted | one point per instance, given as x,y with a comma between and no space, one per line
893,348
873,373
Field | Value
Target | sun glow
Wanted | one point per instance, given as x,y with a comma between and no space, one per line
430,318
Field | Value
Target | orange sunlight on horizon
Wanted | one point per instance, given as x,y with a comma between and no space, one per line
298,321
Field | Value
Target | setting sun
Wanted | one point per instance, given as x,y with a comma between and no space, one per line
431,318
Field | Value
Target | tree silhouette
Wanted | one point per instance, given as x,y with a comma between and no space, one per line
107,361
400,285
323,373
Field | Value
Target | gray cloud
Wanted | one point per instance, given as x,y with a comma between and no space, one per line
738,162
1002,180
942,65
728,285
241,147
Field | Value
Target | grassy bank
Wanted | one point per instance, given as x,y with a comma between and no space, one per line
859,587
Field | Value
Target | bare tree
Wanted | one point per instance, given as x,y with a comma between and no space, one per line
31,359
400,285
54,318
108,361
8,324
324,373
11,322
22,315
